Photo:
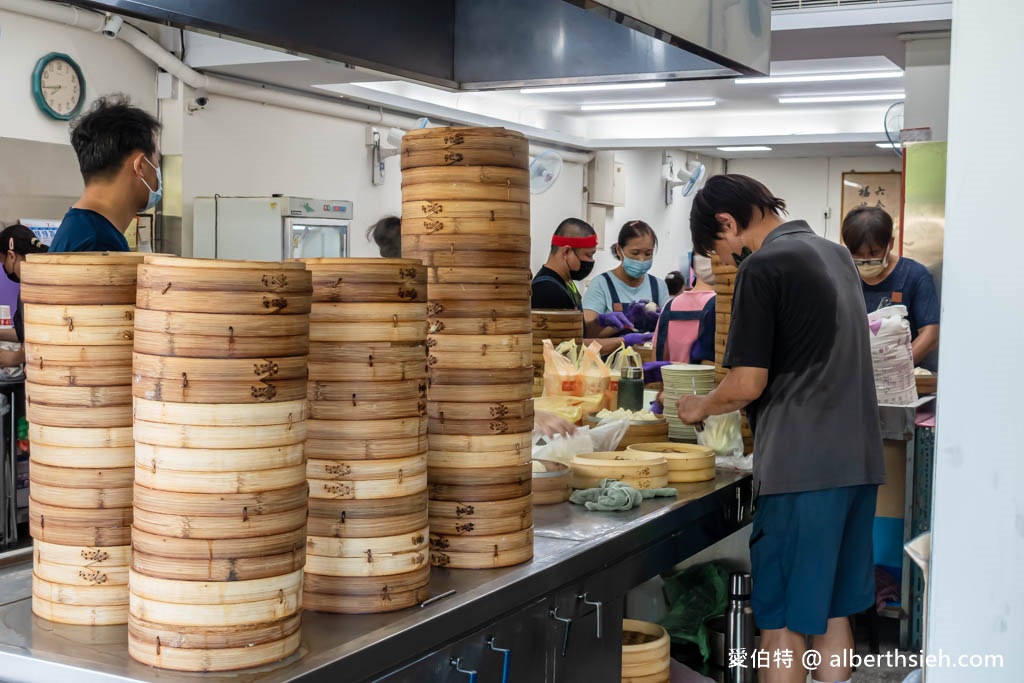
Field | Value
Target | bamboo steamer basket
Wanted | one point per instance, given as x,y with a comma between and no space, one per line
362,292
368,489
365,449
514,155
369,354
366,372
645,649
465,225
497,360
77,416
146,456
443,410
329,272
192,637
496,241
461,138
482,544
639,431
357,393
691,476
481,526
385,600
274,279
77,295
82,615
81,269
406,427
78,397
81,376
485,309
487,175
383,564
340,410
221,325
184,390
63,496
494,427
371,332
503,191
84,437
480,492
81,556
329,546
364,470
71,575
284,603
44,355
473,263
496,293
480,274
639,470
483,344
476,443
480,377
557,320
228,569
489,560
78,535
478,326
367,312
80,477
240,505
71,335
222,415
51,517
443,210
243,481
682,457
552,484
236,303
190,526
482,476
216,438
208,660
206,550
496,393
476,510
202,346
82,596
367,527
484,459
216,593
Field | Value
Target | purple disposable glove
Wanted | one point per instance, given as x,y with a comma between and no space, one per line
657,408
636,338
637,313
614,319
652,371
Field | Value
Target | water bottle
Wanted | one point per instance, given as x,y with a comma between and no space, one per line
739,631
631,389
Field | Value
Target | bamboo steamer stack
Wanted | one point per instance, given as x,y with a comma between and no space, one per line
367,545
466,215
558,326
646,652
725,285
219,535
78,346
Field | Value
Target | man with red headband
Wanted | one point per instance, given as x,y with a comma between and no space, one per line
572,258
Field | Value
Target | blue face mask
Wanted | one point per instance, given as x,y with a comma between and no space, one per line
154,195
636,268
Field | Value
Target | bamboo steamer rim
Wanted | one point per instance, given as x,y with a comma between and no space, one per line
502,442
86,458
491,560
229,569
354,509
484,459
401,427
645,482
602,458
223,414
552,497
494,509
71,575
220,324
198,391
81,596
75,396
256,481
81,376
386,600
114,497
217,460
221,264
552,469
332,546
463,476
213,638
76,354
365,449
63,416
385,564
79,294
216,659
483,174
159,545
81,477
352,470
193,593
81,556
97,258
482,526
189,526
239,505
89,615
645,628
691,476
369,527
97,315
480,492
465,131
66,517
313,263
204,437
368,489
481,544
671,449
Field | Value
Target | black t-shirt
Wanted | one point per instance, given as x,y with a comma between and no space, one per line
551,292
19,322
798,312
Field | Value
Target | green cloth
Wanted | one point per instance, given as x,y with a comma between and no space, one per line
613,496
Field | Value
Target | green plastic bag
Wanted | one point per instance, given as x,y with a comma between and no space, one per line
695,594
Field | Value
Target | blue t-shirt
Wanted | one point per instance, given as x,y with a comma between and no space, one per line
86,230
598,297
911,285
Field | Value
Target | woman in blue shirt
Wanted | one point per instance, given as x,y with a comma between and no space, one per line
889,279
609,295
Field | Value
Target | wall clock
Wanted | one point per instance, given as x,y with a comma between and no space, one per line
58,86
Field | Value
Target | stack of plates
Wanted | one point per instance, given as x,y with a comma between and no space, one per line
684,379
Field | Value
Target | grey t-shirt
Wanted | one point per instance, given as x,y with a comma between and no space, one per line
798,312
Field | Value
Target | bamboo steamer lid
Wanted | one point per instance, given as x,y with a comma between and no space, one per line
228,569
220,659
368,489
43,355
479,274
284,603
231,437
213,638
81,416
81,376
385,599
226,460
466,191
444,209
71,575
221,325
238,303
468,244
88,498
474,443
78,397
397,331
91,295
221,415
367,527
482,544
477,326
513,154
501,176
480,411
472,393
80,477
241,504
244,481
480,492
365,449
384,564
328,272
273,278
71,335
82,615
362,292
367,429
81,556
464,307
80,437
481,526
482,459
82,596
494,427
328,546
483,476
189,526
370,353
179,548
194,593
203,346
367,312
183,390
441,263
360,470
469,225
113,259
475,510
491,560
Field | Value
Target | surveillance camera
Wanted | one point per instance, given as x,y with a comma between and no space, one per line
112,25
201,99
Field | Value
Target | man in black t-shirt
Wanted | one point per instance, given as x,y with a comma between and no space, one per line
799,361
572,258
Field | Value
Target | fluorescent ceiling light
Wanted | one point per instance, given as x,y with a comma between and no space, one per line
681,104
821,99
820,78
887,145
745,148
644,85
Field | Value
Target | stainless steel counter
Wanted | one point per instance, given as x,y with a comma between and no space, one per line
571,544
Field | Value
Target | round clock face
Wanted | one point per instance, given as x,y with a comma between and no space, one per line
61,87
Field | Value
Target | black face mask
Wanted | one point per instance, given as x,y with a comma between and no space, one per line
740,257
584,270
13,277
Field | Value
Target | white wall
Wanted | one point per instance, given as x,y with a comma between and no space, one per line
547,210
926,82
813,186
976,599
40,179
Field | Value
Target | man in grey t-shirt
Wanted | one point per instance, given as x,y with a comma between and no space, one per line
800,362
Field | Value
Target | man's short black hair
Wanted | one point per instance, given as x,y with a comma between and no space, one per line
867,225
573,227
675,281
736,195
387,233
108,133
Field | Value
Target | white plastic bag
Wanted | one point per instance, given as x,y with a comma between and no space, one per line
723,434
892,356
605,437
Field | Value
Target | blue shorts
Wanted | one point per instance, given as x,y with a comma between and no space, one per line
811,557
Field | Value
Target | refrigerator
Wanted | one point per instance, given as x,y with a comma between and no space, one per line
270,228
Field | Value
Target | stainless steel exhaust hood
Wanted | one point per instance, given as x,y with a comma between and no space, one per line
491,44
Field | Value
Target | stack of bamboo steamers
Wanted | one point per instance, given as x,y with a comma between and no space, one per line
465,214
78,345
367,448
220,474
725,286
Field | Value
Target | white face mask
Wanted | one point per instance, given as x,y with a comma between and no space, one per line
154,195
870,269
